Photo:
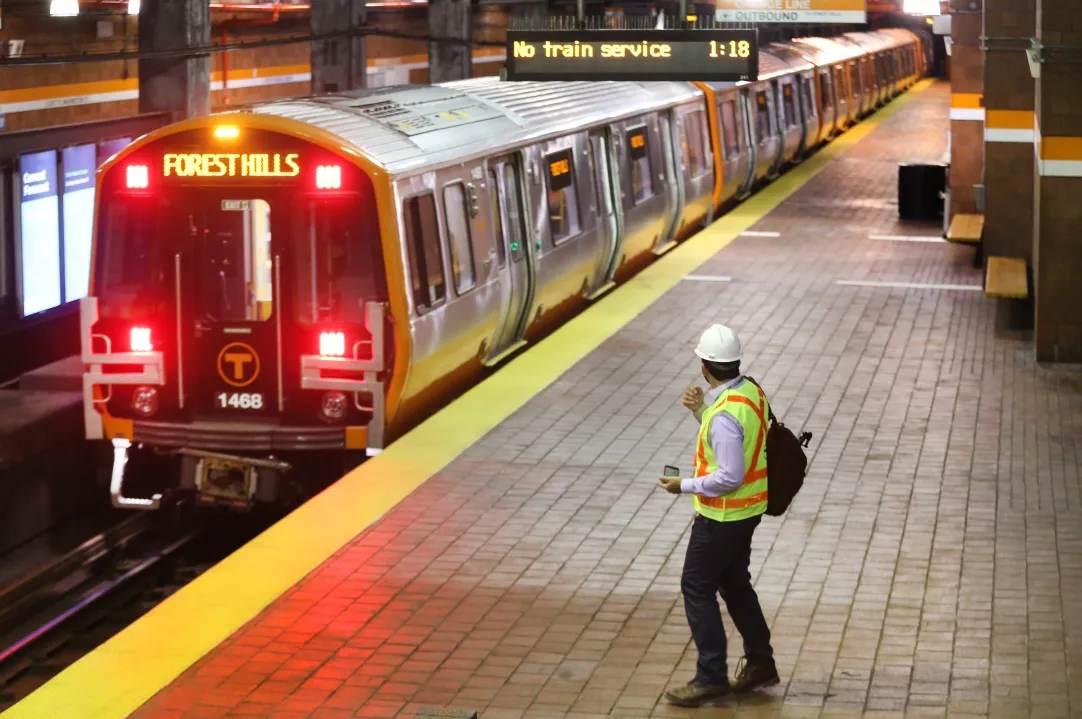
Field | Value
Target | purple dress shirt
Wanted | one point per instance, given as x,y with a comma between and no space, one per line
727,441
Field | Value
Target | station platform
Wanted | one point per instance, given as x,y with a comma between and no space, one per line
514,556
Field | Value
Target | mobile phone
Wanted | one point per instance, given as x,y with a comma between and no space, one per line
671,471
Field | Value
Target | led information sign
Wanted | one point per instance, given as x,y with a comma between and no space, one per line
559,170
718,55
230,165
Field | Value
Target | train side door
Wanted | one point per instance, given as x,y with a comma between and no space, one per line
675,197
608,222
232,293
517,277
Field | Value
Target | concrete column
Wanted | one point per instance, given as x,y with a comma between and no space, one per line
1057,250
341,63
967,110
1008,129
447,61
174,84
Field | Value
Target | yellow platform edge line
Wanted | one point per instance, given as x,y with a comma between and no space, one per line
121,675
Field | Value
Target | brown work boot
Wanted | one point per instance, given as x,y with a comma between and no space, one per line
695,694
754,675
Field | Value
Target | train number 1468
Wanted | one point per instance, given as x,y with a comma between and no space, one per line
240,400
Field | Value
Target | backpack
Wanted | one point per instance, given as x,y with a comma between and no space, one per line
786,463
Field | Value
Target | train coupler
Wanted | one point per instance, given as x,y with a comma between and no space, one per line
230,479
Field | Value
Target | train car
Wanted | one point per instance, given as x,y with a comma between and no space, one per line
311,277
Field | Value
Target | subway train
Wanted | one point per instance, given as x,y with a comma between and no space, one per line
309,278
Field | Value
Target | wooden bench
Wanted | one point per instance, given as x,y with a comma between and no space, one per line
1006,278
966,228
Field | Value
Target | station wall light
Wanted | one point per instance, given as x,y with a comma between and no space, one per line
63,8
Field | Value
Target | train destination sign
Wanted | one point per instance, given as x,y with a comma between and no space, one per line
718,55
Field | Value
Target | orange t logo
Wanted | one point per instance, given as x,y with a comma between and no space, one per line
238,360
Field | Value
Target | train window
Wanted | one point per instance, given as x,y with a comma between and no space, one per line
693,141
854,78
334,264
425,253
729,130
789,104
456,214
514,227
497,216
137,265
809,98
233,247
826,96
563,203
642,179
762,117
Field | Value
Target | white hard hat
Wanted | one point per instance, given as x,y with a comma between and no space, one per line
719,344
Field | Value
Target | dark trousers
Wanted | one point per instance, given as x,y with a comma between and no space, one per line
717,562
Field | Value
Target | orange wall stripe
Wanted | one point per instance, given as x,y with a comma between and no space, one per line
966,100
1009,119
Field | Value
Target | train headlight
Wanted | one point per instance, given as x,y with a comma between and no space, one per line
334,405
144,401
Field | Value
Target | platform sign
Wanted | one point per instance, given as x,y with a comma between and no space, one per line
791,11
80,164
593,55
39,232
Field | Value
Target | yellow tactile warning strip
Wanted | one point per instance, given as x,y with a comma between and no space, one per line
118,677
90,93
967,106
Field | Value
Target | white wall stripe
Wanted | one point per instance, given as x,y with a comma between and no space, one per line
906,238
908,285
1001,134
967,113
1060,168
753,233
707,278
10,108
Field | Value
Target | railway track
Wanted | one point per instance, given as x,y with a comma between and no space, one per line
66,608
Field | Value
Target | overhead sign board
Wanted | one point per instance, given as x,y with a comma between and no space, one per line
79,163
594,55
791,11
39,232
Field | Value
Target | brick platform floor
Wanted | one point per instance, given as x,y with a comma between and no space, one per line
932,566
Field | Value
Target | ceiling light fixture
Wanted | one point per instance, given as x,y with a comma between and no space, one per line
63,8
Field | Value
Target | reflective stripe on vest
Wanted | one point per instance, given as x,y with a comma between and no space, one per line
748,406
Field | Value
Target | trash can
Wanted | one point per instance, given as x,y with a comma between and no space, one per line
920,190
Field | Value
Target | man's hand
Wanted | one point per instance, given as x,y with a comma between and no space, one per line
669,484
693,398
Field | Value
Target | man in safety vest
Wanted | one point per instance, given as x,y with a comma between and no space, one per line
729,496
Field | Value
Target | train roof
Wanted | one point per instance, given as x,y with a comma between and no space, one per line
413,127
822,50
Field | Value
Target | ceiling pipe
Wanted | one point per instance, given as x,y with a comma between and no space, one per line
275,9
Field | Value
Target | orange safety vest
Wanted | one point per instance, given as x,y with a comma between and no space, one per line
747,404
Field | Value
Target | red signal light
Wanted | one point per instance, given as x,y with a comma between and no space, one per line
328,177
332,344
138,177
140,339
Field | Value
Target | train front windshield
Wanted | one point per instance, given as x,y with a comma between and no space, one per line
230,261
